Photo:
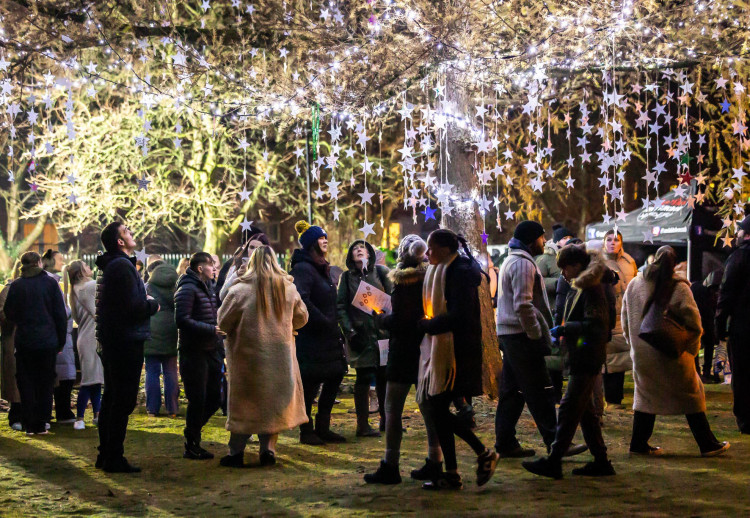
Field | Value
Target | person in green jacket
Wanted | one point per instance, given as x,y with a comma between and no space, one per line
161,350
361,333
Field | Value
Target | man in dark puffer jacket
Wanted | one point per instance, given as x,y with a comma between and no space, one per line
123,311
199,342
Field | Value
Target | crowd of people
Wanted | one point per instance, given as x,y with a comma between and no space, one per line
264,345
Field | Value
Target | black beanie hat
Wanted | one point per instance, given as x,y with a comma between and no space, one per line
745,224
528,231
561,233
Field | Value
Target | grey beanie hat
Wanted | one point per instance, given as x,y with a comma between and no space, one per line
412,249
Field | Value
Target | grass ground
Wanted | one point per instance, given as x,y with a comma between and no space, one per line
54,475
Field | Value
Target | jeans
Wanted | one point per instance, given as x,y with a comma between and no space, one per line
86,393
643,427
395,397
578,406
524,380
35,377
123,363
310,386
201,376
62,394
614,386
446,425
155,366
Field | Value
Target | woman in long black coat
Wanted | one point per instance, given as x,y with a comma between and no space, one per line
320,349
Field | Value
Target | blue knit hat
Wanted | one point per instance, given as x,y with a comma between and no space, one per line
308,234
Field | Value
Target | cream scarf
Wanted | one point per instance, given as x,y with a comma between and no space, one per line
437,363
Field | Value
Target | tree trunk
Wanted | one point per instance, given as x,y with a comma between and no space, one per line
466,220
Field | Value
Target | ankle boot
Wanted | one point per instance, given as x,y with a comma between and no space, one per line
323,429
362,407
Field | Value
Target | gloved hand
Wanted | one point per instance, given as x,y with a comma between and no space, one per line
557,331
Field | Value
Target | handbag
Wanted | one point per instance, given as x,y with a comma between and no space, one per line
662,331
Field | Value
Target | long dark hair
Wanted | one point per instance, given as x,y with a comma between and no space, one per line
451,240
660,273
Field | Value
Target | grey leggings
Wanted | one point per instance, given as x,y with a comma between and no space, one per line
395,397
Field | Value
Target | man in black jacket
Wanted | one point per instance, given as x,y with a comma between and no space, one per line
733,321
123,312
199,342
35,305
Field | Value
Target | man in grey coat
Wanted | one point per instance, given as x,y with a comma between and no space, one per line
523,322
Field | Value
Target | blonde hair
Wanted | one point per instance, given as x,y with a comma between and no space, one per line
183,265
72,275
264,272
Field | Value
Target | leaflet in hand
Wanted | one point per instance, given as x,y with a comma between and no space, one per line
369,298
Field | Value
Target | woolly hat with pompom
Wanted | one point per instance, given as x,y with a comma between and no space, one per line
411,250
308,234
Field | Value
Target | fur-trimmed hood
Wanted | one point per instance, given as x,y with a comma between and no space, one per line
593,274
408,275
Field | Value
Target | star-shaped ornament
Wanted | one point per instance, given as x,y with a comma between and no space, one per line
485,236
244,194
246,225
143,183
429,213
366,196
367,229
141,255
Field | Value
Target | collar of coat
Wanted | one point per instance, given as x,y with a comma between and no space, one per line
408,275
592,274
30,271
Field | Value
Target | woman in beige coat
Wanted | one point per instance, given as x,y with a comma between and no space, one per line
260,314
663,385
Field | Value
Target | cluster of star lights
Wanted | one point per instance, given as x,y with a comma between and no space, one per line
620,87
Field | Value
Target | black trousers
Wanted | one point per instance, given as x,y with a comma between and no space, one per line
708,359
578,406
123,363
524,380
643,427
15,414
62,400
311,383
201,376
35,378
614,387
366,376
447,425
739,359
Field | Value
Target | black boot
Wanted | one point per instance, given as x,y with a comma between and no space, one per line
430,471
386,474
449,481
362,407
233,461
194,451
120,465
596,469
545,467
323,429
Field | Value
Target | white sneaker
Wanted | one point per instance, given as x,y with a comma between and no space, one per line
79,425
95,421
17,427
46,426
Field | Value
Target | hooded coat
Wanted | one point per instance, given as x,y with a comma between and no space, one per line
359,327
320,350
547,263
401,324
162,285
195,310
122,309
265,386
586,317
618,352
463,319
663,385
92,371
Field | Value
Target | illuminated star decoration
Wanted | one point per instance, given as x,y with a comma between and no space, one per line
246,225
367,229
484,236
725,106
141,255
429,213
